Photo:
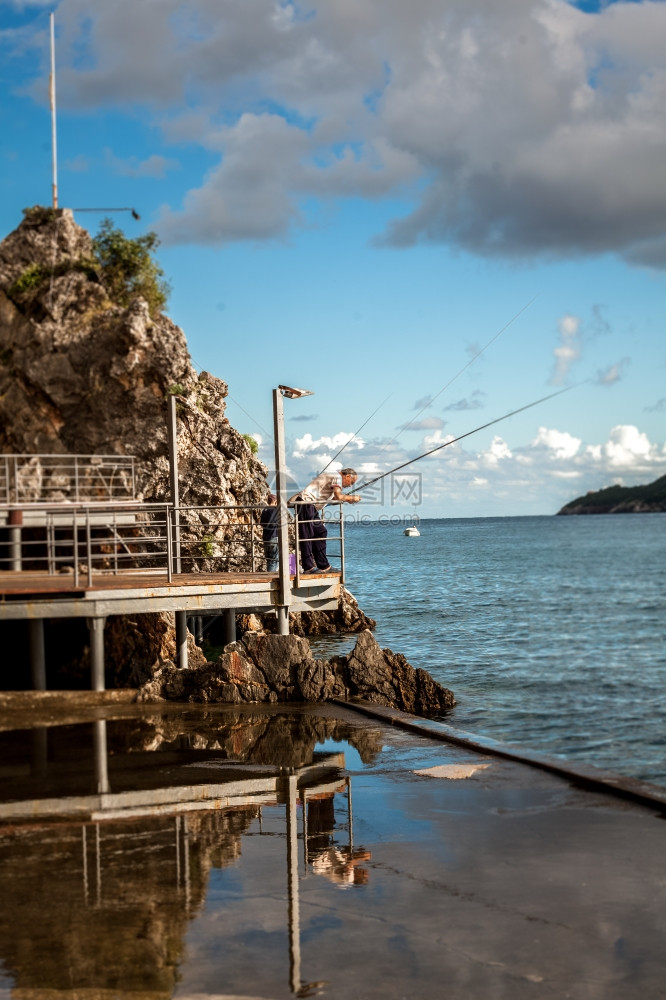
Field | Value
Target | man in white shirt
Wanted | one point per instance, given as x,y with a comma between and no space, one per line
312,533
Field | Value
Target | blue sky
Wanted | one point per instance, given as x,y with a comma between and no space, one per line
358,197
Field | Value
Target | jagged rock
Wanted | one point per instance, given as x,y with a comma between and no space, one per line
386,678
347,617
318,680
270,668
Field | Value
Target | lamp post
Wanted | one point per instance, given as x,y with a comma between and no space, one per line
284,583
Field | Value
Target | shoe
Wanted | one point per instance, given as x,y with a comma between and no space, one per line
311,569
325,569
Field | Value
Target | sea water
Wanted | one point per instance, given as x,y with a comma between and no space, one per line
549,630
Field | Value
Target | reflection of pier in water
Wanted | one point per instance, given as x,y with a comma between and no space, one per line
141,857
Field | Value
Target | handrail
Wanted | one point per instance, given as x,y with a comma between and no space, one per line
103,537
26,478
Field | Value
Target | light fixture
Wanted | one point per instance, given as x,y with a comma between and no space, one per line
291,393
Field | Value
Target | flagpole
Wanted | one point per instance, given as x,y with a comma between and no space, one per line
52,98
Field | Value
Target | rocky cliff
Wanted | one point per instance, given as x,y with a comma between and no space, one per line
82,373
647,499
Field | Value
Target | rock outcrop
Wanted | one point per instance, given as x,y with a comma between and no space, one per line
648,499
82,375
275,668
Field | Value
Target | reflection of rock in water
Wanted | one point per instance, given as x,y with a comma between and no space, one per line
106,906
282,739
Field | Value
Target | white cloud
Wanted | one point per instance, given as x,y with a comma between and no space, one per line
568,350
627,447
498,450
307,445
559,444
522,128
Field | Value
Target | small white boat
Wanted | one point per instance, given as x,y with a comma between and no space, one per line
412,531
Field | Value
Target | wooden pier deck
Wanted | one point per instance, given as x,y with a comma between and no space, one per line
29,595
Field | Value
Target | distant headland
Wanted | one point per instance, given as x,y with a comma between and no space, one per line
621,500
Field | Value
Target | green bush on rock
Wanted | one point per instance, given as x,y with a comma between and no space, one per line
127,267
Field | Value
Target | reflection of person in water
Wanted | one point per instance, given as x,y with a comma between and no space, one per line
339,864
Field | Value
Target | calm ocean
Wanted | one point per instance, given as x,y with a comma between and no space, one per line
549,630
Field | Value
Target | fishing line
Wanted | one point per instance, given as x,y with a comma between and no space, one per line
463,369
356,433
446,444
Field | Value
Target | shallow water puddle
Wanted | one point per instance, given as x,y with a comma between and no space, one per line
226,853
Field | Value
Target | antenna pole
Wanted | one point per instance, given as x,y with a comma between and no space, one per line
52,97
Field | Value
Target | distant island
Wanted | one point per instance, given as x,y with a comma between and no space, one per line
621,500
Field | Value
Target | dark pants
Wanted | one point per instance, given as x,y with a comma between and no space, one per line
271,552
312,535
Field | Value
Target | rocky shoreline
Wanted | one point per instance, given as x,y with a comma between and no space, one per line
265,668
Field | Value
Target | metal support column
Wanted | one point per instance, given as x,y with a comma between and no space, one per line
284,583
96,629
37,654
181,640
229,625
172,427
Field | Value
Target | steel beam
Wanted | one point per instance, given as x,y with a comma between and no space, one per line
96,629
284,583
181,640
229,625
37,653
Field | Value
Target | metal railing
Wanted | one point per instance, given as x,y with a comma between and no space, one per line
86,539
38,479
89,539
303,535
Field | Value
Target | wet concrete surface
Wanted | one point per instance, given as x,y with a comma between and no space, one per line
187,851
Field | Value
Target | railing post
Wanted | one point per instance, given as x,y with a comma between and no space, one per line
168,527
284,583
50,544
342,546
172,428
15,529
75,547
89,548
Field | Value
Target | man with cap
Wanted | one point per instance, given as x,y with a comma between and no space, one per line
309,502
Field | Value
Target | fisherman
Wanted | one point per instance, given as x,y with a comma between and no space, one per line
311,529
269,521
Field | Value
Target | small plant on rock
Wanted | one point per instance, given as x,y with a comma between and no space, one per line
251,443
128,269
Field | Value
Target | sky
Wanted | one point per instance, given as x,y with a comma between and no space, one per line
429,214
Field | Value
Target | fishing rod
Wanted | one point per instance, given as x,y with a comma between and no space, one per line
446,444
330,462
443,389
